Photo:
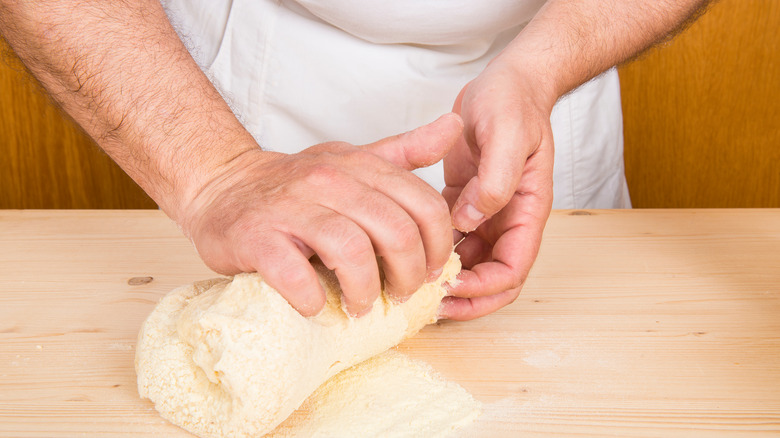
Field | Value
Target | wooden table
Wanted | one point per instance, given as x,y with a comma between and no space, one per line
632,323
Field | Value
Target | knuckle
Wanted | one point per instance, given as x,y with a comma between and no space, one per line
360,153
322,174
517,283
362,301
356,248
443,222
512,296
439,226
494,194
436,207
365,160
407,237
516,292
328,147
440,205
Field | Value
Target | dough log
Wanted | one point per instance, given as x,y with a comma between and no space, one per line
230,357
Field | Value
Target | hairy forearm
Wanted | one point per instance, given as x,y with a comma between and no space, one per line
119,69
571,41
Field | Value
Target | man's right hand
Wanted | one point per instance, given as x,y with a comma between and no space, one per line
269,212
121,71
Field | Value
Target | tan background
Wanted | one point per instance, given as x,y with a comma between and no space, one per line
702,113
702,125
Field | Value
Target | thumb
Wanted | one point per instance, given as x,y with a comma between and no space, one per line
420,147
500,169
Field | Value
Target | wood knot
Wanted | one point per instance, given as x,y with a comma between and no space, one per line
580,213
137,281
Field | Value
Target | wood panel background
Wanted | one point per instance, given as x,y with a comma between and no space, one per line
702,113
701,122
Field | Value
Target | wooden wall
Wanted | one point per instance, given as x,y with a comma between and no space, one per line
702,125
702,113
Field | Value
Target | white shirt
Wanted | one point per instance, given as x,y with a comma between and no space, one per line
305,72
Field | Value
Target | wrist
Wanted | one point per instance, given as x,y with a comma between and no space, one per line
542,57
200,191
532,82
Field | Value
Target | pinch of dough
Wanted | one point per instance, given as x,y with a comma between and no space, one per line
228,357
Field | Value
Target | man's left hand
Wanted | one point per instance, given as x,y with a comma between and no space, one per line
499,187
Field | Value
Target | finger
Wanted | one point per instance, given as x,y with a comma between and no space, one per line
345,248
459,166
394,235
513,253
450,194
512,256
427,209
420,147
456,106
464,309
282,265
503,147
485,279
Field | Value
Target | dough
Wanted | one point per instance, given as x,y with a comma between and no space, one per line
389,395
229,357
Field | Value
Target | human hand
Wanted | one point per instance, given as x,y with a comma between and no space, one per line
499,186
269,212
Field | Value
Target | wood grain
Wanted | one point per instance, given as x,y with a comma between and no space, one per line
632,323
46,160
702,113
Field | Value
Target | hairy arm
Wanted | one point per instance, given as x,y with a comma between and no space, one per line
571,41
119,69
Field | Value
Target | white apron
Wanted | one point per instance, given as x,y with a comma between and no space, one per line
298,73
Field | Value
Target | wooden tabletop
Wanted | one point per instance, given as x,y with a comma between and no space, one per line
632,323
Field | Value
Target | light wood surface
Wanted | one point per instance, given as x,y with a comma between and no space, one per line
702,112
632,323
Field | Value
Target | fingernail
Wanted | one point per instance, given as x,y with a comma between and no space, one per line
363,312
433,275
472,213
469,217
308,309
